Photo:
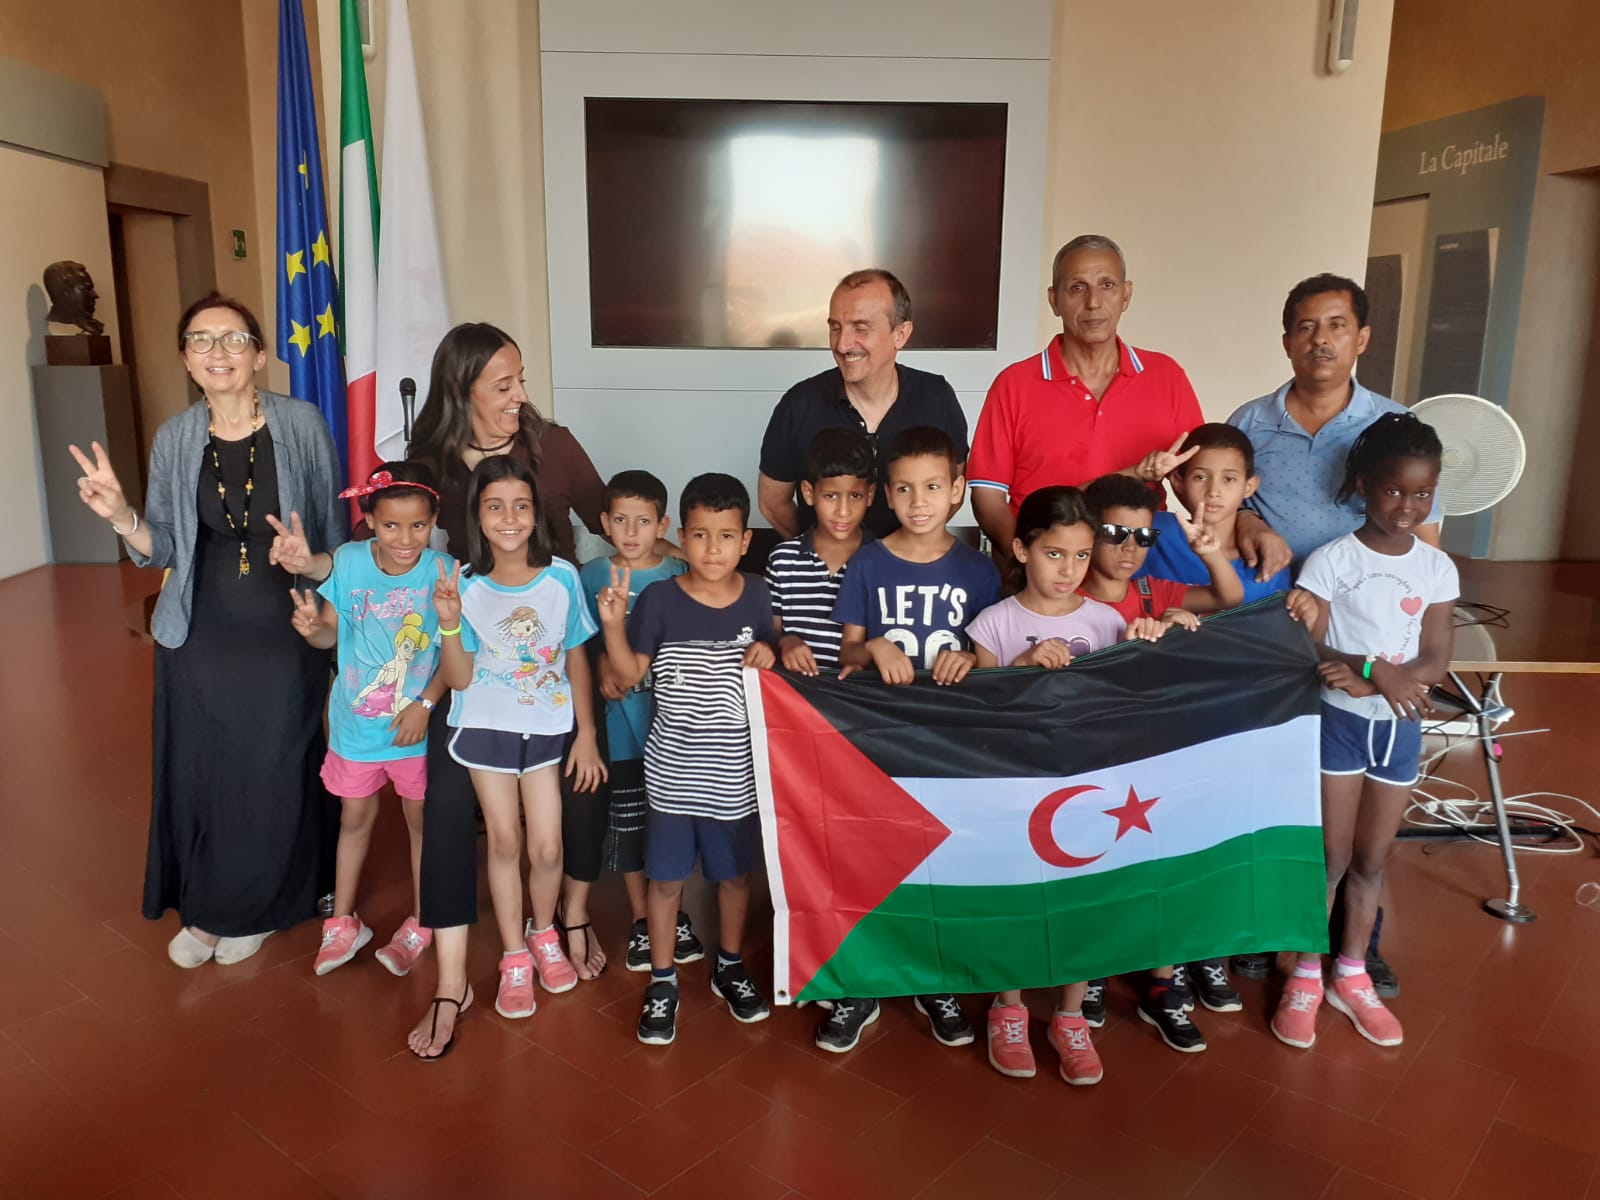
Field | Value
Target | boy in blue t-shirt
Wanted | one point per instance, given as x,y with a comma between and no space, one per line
1212,484
695,633
905,604
634,521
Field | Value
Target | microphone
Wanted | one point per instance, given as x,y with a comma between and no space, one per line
408,404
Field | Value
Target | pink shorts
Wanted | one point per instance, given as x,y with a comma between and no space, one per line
345,778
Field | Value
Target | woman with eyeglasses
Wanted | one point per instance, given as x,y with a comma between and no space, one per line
241,505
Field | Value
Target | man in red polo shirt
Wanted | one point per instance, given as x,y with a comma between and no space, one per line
1086,405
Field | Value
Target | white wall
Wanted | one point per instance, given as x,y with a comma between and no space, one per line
1223,159
53,209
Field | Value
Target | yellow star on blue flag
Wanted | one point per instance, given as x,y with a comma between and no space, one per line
308,298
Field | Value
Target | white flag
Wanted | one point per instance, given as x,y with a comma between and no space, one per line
413,314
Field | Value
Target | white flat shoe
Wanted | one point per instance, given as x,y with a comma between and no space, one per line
189,951
232,950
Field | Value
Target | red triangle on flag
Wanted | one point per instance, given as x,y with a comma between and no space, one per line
848,834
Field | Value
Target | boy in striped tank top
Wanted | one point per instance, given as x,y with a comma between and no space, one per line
694,633
803,573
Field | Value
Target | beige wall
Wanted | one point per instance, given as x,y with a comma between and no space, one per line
172,73
53,209
150,246
1451,57
1225,161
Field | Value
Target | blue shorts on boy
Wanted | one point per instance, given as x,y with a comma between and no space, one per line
1173,558
1389,751
628,719
726,849
923,608
697,759
387,652
519,639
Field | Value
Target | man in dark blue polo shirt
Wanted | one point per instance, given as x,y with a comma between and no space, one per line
869,320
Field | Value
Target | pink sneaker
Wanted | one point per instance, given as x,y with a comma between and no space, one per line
1080,1064
1295,1022
1357,998
1009,1051
341,938
556,974
405,947
515,998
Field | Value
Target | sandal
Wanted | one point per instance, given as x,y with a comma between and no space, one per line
588,948
462,1005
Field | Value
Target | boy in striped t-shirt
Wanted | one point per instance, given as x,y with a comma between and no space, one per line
804,572
694,633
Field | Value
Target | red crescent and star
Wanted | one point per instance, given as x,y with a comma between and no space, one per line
1132,814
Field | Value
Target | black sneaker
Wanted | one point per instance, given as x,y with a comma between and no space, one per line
1252,966
1180,986
842,1030
687,948
1384,981
945,1019
639,946
658,1019
1212,986
1094,1003
1167,1015
733,985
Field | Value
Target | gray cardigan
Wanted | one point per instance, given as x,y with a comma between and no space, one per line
308,470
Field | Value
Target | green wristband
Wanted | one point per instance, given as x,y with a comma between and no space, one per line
1366,669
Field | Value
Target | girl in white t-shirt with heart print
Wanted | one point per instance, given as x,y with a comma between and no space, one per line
1379,603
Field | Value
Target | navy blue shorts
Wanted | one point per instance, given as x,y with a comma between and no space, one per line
506,753
726,849
1386,750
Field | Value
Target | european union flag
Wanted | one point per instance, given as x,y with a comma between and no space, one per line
308,293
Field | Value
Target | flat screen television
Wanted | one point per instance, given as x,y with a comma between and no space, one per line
727,223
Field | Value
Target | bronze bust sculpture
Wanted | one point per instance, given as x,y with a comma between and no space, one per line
72,296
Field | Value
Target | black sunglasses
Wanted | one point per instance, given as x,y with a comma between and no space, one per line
1115,535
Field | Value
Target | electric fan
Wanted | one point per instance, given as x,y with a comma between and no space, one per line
1483,451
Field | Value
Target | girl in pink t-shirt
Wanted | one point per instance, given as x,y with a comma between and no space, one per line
1047,624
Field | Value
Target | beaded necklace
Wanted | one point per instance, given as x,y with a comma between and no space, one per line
242,526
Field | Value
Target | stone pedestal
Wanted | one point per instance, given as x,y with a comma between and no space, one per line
77,406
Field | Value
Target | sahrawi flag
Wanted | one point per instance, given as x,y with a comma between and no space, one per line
1150,804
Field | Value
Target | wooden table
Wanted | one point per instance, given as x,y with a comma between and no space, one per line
1550,626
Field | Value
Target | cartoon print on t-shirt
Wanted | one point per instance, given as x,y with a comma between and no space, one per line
522,627
384,695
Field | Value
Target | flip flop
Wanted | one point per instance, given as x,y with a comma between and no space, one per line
462,1005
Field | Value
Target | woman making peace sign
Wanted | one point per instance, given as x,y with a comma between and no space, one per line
238,819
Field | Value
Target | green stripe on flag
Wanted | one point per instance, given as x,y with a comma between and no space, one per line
1264,891
355,117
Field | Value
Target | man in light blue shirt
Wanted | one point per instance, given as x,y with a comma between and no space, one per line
1303,432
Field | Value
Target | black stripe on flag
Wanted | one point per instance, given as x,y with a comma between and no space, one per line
1248,668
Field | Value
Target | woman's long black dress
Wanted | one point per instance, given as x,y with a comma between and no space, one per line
241,827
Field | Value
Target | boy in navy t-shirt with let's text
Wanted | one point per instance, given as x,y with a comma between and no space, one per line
906,601
695,633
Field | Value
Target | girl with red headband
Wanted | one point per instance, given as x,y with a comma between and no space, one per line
380,614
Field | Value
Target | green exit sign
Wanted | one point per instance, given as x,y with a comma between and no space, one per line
238,244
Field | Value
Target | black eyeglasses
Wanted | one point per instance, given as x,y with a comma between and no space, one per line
232,342
1115,535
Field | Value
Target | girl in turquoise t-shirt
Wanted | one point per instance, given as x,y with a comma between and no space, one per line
380,614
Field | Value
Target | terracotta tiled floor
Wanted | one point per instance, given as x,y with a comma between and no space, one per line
121,1075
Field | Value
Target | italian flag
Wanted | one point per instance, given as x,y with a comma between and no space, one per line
1150,804
358,247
